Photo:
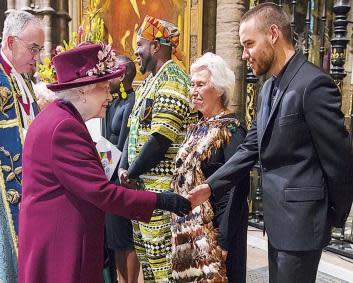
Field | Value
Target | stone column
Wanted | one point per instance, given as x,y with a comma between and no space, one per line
11,4
75,13
209,26
48,29
3,7
20,4
63,18
55,17
228,46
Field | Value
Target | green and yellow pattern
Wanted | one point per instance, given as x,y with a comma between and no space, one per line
162,106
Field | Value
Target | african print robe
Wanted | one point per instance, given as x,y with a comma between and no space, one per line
162,106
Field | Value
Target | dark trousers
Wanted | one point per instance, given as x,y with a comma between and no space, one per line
293,266
236,258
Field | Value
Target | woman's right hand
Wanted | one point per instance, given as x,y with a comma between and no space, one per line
123,175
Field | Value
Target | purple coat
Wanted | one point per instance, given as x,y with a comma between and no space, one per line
65,196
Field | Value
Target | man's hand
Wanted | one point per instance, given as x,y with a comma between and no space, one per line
125,181
199,194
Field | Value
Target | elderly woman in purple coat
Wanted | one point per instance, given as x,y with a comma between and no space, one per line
66,192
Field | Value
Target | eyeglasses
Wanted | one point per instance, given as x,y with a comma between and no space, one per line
34,50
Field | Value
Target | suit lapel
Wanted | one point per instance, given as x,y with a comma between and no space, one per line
288,75
265,106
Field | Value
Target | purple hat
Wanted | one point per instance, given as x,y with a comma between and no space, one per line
85,64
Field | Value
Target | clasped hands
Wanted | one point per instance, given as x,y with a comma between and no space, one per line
173,202
126,181
196,196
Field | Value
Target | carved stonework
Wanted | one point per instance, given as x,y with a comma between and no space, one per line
251,90
195,36
193,48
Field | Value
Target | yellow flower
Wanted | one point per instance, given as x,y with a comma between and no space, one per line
46,60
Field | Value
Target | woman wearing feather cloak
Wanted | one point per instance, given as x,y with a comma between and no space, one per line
209,245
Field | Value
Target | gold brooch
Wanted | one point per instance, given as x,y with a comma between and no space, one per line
13,196
4,99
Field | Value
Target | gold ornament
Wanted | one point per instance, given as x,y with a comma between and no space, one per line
13,196
122,91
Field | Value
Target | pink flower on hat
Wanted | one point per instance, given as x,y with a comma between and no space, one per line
85,64
107,61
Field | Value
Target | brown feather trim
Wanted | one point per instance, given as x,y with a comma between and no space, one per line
196,254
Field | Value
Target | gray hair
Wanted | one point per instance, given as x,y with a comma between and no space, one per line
221,76
73,94
16,21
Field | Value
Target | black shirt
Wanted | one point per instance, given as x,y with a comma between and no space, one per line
277,81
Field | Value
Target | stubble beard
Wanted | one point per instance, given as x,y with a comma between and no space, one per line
264,65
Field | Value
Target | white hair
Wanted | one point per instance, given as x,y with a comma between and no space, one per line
41,91
16,21
73,93
221,76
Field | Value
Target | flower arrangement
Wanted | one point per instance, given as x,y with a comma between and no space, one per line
46,72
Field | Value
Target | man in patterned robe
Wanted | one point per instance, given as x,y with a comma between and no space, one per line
23,39
157,128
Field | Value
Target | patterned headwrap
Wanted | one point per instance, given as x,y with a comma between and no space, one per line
165,32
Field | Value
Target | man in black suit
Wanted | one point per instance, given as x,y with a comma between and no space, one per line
119,236
302,146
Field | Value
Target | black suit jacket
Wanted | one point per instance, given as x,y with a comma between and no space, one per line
115,123
305,158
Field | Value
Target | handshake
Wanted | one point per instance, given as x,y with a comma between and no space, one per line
170,201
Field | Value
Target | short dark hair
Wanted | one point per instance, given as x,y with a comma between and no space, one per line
270,14
130,72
